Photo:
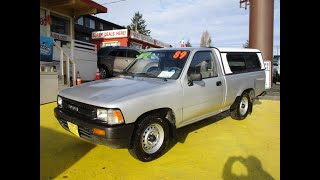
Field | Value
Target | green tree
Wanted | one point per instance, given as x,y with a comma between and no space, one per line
138,24
246,44
188,44
205,39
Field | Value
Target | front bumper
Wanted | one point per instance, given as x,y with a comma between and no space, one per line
116,136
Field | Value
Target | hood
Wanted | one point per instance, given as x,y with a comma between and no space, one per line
101,92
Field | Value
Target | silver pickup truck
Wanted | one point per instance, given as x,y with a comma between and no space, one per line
160,91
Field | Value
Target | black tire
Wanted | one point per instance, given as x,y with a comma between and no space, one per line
277,78
104,72
243,107
151,138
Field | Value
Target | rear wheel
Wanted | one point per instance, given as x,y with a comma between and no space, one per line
151,138
243,107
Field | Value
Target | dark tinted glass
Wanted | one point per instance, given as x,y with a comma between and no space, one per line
122,53
132,53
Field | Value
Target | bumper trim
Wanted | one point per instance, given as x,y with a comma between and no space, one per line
118,136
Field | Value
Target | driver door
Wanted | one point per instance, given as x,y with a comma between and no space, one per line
202,97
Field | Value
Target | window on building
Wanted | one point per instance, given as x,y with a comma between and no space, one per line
80,21
112,43
100,26
92,24
60,25
135,45
86,22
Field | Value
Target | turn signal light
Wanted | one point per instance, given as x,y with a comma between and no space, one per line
99,132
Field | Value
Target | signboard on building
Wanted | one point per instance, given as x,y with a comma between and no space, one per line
61,37
119,33
141,37
46,48
144,38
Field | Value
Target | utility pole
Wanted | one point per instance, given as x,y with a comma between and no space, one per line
261,28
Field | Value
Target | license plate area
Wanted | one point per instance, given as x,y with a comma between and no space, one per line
73,128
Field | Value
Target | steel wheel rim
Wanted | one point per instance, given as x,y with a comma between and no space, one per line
103,73
244,104
152,138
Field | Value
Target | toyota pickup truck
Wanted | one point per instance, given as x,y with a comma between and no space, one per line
160,91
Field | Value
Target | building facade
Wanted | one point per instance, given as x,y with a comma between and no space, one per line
125,37
85,25
61,56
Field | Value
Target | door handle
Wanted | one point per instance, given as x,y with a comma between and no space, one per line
218,83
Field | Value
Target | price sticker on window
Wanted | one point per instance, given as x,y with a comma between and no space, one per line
180,54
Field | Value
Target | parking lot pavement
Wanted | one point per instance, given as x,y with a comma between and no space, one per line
215,148
273,93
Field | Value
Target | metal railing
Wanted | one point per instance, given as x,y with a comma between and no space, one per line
65,57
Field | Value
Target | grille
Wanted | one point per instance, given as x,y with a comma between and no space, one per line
78,109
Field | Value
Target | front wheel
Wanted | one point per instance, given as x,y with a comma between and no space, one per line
243,107
151,138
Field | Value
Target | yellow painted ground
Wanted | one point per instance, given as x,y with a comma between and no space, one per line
215,148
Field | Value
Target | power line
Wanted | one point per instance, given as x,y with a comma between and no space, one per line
113,2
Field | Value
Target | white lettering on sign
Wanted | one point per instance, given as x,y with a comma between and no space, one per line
110,34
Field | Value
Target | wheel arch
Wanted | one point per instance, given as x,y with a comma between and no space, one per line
167,114
238,98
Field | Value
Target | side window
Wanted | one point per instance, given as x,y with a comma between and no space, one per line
243,62
122,53
113,53
132,53
252,62
236,62
203,62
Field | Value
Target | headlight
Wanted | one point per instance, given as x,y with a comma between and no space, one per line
59,101
111,116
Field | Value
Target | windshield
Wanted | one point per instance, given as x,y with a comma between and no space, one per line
166,64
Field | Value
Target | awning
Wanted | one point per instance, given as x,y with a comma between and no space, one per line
73,7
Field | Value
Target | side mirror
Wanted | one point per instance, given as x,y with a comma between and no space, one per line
194,77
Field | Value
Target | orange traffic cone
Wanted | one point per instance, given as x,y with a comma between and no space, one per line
78,78
97,74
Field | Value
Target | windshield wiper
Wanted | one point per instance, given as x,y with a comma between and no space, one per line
143,75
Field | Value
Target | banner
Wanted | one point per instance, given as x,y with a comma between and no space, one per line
46,48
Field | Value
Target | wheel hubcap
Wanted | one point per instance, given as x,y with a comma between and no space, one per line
152,138
103,73
244,104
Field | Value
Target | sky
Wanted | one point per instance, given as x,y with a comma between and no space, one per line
170,21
